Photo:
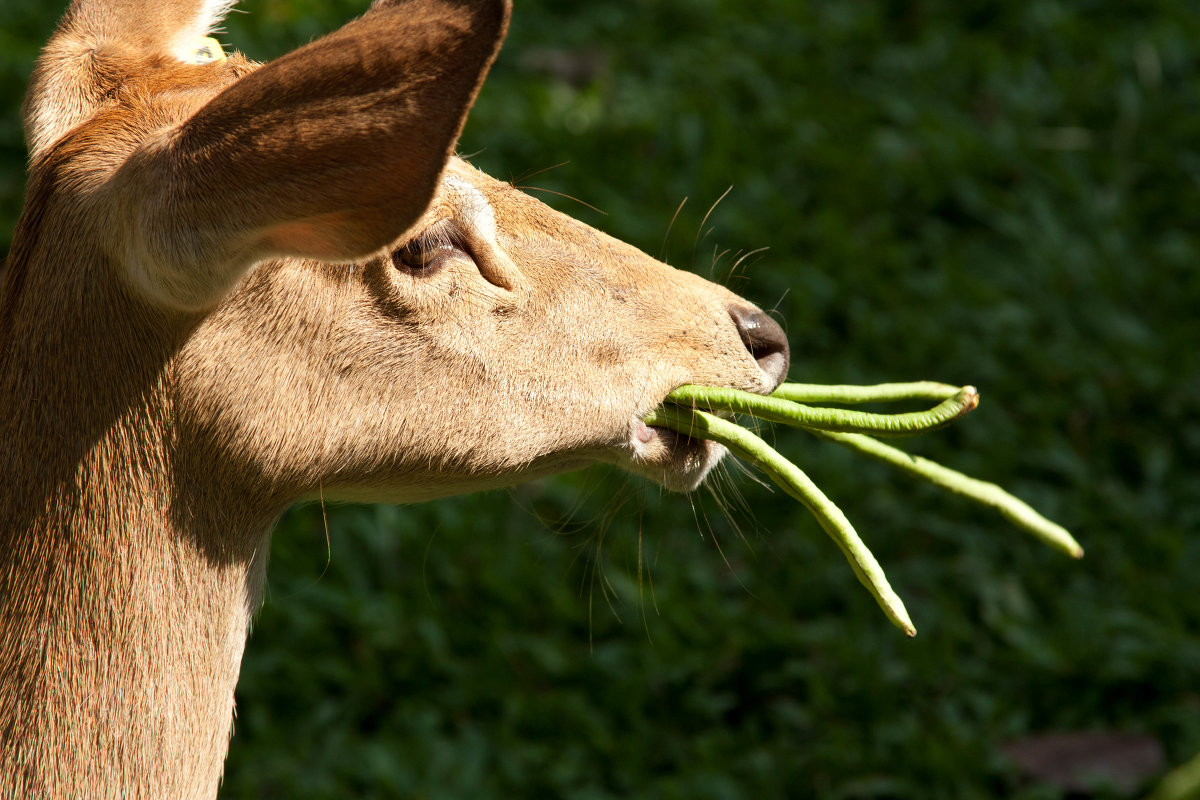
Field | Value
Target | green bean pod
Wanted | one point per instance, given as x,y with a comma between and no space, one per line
1014,509
777,409
879,393
792,480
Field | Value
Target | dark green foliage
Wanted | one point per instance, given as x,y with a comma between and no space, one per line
1001,194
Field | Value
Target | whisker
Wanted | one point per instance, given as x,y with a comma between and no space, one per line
717,258
642,570
716,203
425,565
742,260
696,249
662,253
776,313
563,194
704,221
728,492
516,182
328,543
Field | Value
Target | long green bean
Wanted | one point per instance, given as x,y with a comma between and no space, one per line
777,409
1014,509
792,480
879,393
685,412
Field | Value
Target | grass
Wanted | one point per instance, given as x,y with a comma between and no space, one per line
984,193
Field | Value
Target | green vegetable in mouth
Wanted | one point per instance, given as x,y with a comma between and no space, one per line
688,410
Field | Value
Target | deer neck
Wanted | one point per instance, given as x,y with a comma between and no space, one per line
127,604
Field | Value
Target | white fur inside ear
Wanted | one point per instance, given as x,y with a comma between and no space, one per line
211,15
208,18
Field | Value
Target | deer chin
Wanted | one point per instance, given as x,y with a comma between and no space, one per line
677,462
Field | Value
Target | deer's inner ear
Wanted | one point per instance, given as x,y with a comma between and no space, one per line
202,50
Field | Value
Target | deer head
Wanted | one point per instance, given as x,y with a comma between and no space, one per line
234,286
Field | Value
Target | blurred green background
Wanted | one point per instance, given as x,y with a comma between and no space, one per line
1003,194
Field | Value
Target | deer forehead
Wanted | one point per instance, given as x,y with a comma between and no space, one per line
472,207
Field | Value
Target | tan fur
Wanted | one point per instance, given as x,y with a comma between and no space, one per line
202,322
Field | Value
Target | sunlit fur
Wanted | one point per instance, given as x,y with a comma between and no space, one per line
202,322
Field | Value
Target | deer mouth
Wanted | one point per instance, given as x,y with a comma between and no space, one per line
675,460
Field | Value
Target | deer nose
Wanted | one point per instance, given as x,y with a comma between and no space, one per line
765,340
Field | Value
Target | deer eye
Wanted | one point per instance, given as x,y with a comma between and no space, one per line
420,259
429,251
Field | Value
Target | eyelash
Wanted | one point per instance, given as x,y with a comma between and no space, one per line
428,252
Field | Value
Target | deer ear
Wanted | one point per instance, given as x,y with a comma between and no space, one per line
330,152
73,76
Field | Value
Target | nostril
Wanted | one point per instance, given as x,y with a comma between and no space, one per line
765,340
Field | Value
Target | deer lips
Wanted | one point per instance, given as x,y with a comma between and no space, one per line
677,461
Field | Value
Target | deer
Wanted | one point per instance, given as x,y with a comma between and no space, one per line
236,286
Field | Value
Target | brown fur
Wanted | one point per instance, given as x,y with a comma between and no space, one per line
201,323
